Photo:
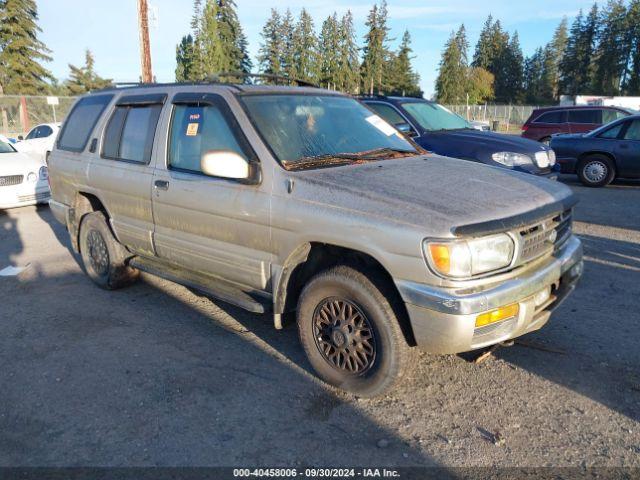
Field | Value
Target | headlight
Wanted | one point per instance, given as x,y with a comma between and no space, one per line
511,159
32,177
552,157
466,258
542,159
43,173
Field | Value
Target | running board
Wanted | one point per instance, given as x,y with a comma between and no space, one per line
218,289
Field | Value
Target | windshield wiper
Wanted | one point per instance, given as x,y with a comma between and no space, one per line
334,159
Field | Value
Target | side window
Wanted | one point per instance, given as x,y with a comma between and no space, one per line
551,117
130,132
81,121
198,129
633,132
613,132
387,112
44,131
33,133
585,116
611,115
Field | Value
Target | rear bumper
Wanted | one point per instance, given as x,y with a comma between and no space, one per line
444,322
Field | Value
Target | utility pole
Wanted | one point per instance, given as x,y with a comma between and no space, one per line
145,48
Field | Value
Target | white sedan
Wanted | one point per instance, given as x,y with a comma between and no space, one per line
39,141
23,178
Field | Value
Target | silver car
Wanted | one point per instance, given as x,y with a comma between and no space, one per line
283,199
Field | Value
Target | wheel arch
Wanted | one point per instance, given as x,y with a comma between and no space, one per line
590,153
310,258
83,204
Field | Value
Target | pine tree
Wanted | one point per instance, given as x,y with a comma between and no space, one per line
287,56
509,85
492,54
450,89
84,79
611,55
21,52
403,80
234,42
197,70
533,71
463,44
329,53
305,48
214,54
484,54
185,59
632,85
570,77
375,50
270,50
552,57
348,57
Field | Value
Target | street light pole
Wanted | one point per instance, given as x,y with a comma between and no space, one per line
145,48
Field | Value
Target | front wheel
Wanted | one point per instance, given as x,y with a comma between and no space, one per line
351,333
596,171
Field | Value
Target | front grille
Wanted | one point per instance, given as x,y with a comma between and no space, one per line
11,180
544,237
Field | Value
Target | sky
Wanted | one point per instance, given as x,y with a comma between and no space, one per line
109,28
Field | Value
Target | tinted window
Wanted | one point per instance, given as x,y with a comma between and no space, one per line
551,117
44,131
432,116
129,135
387,112
612,132
33,134
633,132
81,120
195,130
585,116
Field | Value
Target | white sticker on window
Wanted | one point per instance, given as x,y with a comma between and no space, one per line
381,125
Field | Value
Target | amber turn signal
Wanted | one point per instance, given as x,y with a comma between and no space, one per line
497,315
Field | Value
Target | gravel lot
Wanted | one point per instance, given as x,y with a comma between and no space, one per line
156,375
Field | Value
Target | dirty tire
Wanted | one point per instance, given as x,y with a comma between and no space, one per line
102,256
351,294
596,171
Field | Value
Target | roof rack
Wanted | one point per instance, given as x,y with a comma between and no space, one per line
266,76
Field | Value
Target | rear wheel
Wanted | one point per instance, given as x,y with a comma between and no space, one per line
350,332
596,171
102,255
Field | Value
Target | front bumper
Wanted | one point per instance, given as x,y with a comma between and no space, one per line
24,194
444,322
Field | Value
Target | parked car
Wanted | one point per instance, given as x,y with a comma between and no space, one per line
39,141
284,199
441,131
545,122
600,156
23,179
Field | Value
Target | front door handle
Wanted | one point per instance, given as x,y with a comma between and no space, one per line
161,185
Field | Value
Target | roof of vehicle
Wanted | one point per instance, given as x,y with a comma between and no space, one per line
578,107
233,87
394,98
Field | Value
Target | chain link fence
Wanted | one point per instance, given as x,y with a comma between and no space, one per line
509,118
20,113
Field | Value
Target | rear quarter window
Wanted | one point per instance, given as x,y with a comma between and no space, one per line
551,117
585,116
81,122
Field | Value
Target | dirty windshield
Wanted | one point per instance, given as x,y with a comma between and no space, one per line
310,131
434,117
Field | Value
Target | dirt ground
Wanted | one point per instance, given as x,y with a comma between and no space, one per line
155,375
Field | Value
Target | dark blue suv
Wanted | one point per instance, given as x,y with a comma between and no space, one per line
441,131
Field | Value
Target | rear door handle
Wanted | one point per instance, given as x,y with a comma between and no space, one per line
161,185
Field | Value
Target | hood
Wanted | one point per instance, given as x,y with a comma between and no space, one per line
495,142
437,194
18,163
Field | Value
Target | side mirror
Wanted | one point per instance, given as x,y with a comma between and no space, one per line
20,138
225,164
405,129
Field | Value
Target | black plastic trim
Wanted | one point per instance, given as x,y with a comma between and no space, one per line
142,99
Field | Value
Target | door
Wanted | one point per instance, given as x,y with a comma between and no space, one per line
215,226
584,120
628,151
549,123
122,173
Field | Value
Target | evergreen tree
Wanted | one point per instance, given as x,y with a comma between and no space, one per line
329,53
269,59
533,70
552,56
509,82
84,79
484,54
305,49
403,80
610,63
185,59
21,52
197,71
375,50
213,51
348,58
492,53
287,60
570,77
450,84
234,42
463,44
632,85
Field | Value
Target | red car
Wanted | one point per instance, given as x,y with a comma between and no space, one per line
544,122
